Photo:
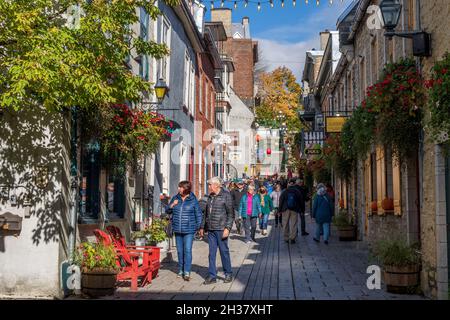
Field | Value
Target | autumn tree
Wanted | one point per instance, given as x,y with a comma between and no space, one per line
280,94
65,53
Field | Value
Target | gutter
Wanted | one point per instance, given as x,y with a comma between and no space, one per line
186,18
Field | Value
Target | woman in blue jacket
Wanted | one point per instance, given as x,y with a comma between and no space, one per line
323,210
186,220
250,210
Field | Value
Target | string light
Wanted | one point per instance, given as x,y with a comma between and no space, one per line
271,2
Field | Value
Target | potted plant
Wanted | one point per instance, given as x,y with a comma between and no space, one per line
345,225
401,264
98,268
387,204
157,234
139,237
374,206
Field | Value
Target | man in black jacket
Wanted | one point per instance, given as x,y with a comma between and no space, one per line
218,221
290,207
303,190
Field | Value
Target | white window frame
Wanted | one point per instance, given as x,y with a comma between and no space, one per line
165,37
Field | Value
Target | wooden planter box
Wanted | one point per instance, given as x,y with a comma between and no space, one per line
347,233
401,279
98,283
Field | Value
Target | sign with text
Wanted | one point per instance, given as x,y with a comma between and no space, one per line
311,152
334,124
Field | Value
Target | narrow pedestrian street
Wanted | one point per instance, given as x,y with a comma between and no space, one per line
271,269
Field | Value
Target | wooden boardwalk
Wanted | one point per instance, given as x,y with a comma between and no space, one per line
271,269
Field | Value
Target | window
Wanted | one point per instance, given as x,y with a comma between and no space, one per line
200,92
164,63
363,79
374,60
115,197
373,168
186,80
90,182
207,103
192,89
144,62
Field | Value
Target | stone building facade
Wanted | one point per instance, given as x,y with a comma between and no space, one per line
419,186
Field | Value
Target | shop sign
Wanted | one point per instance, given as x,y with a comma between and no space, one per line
335,124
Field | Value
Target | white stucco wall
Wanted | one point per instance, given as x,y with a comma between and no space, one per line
29,262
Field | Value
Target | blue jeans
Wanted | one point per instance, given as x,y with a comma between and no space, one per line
326,230
184,249
215,241
263,222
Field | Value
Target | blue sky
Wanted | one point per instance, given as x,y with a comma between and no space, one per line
285,34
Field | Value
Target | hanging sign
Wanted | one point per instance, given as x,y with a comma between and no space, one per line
315,152
335,124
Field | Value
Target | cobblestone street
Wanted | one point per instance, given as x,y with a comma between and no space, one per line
272,269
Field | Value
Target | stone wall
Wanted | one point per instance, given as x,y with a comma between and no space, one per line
434,15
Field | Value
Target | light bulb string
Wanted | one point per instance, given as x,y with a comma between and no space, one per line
265,1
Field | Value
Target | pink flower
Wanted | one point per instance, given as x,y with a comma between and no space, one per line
141,138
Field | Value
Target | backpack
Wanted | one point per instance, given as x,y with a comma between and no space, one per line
291,201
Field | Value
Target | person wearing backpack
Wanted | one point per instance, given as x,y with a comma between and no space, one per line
322,213
290,206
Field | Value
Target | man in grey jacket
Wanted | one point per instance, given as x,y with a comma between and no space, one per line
218,221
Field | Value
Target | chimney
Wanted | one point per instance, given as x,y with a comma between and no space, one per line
198,12
222,15
246,25
324,35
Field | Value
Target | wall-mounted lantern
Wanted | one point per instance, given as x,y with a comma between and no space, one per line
391,11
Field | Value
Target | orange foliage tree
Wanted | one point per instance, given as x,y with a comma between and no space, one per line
279,91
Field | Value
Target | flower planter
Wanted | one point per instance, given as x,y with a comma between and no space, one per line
401,279
388,204
98,283
374,206
140,242
347,233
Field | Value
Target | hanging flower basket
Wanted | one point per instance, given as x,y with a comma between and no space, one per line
133,133
439,102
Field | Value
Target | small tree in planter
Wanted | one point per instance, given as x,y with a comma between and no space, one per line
401,264
98,268
345,225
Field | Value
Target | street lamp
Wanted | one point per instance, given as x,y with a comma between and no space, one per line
390,11
161,90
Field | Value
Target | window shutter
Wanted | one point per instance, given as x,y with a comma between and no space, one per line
396,183
381,178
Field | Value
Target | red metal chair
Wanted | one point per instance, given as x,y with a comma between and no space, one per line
150,254
128,262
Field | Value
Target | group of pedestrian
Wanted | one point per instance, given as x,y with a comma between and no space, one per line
242,203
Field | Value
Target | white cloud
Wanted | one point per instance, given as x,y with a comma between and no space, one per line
284,44
275,53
